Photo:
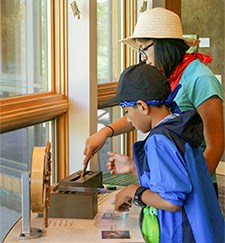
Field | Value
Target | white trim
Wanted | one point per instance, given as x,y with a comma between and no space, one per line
82,80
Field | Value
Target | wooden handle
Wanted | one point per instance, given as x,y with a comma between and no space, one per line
84,170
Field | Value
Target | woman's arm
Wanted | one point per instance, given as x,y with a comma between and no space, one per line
211,112
95,142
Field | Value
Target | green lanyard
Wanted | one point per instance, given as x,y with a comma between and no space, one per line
150,225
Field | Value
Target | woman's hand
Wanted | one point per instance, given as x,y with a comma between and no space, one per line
124,198
120,164
94,143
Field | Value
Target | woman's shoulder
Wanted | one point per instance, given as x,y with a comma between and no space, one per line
199,83
198,68
198,73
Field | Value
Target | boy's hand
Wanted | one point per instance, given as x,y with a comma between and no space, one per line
120,164
124,198
125,206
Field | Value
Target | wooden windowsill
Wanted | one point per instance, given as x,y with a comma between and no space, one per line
22,111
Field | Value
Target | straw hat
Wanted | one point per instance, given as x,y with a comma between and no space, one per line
158,23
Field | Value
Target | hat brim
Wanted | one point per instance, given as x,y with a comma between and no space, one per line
132,43
109,103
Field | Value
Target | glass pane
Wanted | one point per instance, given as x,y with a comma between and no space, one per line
109,68
24,47
108,47
106,117
115,144
16,149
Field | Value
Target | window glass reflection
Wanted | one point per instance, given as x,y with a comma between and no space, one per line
24,47
108,45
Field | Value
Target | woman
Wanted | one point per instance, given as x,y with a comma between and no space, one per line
159,39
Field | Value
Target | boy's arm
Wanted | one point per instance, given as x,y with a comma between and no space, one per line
153,199
150,198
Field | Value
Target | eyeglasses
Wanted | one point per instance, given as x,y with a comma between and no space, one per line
143,52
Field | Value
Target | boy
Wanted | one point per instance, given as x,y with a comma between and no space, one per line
176,193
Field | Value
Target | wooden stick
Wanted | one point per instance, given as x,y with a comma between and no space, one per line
84,170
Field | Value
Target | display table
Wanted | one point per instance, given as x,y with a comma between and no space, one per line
107,226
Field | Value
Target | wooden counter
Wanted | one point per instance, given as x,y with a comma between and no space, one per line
86,230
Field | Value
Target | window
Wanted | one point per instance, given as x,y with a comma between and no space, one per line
32,68
33,87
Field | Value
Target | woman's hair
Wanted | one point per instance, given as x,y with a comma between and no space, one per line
168,54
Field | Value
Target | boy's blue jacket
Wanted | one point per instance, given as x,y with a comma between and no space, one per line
170,162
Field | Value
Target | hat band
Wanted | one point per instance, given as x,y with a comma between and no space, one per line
169,102
149,102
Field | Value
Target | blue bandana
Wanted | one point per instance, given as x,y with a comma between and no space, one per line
169,102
